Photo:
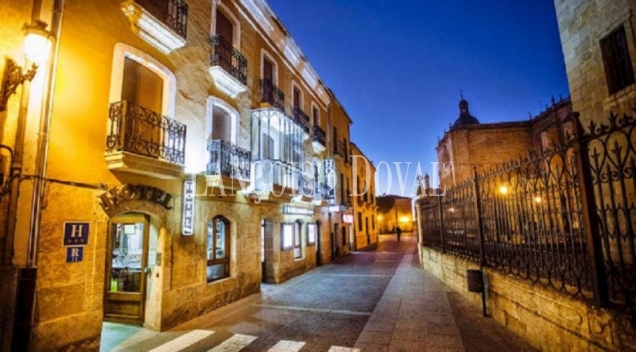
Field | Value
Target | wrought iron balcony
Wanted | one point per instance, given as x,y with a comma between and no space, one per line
341,148
163,23
319,136
306,185
228,66
271,95
227,159
142,132
173,13
301,118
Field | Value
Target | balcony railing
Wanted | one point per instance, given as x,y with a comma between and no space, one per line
319,135
301,119
138,130
270,173
172,13
224,55
306,185
272,95
341,149
229,160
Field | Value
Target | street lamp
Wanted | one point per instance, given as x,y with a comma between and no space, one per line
37,46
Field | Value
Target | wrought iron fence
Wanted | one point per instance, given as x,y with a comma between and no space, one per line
173,13
563,218
272,95
228,160
612,161
141,131
223,54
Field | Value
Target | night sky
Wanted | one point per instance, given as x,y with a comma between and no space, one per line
398,66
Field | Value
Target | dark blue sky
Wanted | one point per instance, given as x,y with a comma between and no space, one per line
398,66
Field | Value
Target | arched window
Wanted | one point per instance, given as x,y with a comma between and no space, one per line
218,248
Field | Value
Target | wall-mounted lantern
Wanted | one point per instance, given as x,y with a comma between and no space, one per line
37,48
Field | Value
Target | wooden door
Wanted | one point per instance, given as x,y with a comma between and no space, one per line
126,267
224,27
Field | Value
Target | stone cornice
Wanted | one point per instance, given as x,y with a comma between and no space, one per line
274,29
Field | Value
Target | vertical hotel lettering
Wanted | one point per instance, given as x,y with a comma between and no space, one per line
188,208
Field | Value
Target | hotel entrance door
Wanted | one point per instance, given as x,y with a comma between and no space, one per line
126,266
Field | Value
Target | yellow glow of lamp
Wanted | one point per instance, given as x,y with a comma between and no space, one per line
537,199
37,48
404,219
37,43
380,217
503,190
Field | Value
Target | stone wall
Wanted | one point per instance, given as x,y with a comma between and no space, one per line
582,24
548,320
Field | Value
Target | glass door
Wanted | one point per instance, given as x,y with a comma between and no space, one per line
127,261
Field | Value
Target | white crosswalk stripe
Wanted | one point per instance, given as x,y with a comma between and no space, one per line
183,341
343,349
234,343
287,346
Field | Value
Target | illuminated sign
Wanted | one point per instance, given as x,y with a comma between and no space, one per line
118,195
330,178
347,218
188,208
287,209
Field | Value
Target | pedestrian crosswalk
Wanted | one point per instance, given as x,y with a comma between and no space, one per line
183,341
193,340
234,343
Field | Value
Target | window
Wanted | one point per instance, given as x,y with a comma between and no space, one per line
218,244
359,221
297,240
311,234
290,236
141,86
335,139
545,142
373,221
296,97
287,236
618,65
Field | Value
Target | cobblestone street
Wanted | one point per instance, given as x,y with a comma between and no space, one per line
367,301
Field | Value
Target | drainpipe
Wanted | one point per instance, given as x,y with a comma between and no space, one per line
23,322
43,139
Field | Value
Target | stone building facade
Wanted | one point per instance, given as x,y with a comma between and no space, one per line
599,50
364,207
165,159
469,144
395,210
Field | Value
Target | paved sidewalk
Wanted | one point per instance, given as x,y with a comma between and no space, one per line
413,314
368,301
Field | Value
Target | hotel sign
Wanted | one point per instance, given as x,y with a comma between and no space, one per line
287,209
187,227
330,178
75,236
119,195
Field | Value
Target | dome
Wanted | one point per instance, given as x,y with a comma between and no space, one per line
465,118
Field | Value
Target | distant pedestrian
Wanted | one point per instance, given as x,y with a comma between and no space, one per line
398,231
